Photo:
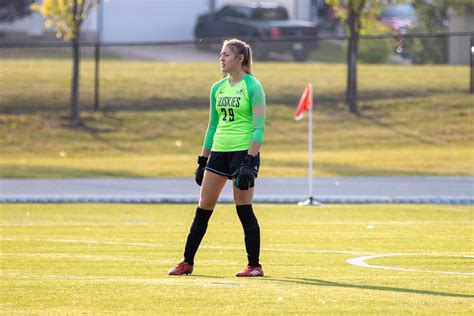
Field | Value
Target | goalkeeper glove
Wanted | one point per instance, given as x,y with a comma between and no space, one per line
199,173
245,174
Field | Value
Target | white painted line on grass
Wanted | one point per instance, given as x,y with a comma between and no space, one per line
85,242
361,262
343,252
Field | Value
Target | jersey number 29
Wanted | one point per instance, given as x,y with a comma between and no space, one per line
231,114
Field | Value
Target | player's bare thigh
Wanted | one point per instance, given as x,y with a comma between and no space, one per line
211,188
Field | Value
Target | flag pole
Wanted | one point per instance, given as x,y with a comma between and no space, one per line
310,200
310,143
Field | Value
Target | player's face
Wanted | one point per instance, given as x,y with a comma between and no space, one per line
230,62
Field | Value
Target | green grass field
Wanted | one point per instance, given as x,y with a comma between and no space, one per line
134,85
412,136
96,259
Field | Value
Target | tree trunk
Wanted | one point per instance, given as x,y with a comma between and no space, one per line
352,73
75,111
349,71
353,21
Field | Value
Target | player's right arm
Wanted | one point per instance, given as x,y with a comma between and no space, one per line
213,121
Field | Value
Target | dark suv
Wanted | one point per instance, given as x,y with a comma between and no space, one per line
266,27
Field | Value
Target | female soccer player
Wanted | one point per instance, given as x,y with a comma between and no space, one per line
231,151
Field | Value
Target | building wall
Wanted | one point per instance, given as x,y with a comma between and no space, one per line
145,20
459,49
141,20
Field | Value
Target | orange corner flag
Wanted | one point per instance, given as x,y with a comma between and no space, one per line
306,102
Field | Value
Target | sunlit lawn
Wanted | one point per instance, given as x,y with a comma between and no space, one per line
97,259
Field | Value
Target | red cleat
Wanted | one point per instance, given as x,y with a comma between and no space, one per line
181,268
250,271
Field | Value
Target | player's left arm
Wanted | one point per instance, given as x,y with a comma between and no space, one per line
258,104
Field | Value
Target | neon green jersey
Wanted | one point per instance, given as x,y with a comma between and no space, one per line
237,115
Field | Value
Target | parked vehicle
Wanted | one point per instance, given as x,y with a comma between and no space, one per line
400,18
266,26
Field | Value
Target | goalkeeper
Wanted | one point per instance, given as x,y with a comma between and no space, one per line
231,151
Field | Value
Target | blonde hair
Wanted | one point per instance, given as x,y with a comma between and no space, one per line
241,48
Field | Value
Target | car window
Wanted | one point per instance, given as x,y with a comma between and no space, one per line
234,12
269,14
399,11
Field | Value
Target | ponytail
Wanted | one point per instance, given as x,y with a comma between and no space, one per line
241,48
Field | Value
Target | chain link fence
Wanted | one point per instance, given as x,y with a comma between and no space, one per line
149,76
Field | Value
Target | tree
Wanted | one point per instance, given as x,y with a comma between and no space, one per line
66,16
12,10
355,14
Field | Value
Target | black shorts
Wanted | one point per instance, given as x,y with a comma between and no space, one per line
226,163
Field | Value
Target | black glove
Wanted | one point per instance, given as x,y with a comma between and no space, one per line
199,173
245,174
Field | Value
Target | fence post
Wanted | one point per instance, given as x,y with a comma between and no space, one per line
100,19
96,77
471,58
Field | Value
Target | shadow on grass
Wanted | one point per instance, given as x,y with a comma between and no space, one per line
96,132
408,135
40,171
318,282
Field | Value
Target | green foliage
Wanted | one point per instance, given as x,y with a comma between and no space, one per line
375,50
365,11
66,16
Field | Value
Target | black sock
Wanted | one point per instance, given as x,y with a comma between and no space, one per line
252,233
196,233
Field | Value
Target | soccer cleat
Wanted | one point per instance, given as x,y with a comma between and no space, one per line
250,271
181,268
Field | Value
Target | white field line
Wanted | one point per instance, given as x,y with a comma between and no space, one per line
77,241
86,257
203,246
343,252
361,262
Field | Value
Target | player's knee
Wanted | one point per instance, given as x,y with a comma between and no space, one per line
242,197
242,200
207,204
